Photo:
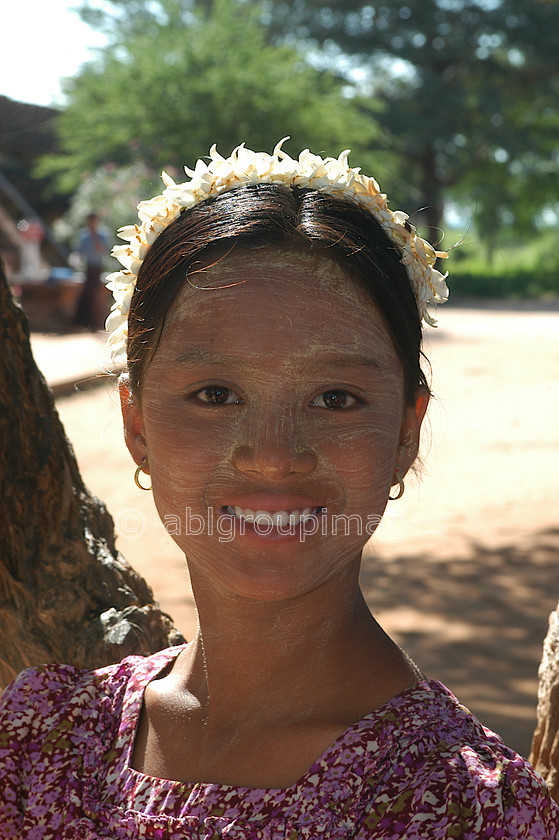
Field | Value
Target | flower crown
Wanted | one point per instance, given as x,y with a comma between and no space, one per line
330,175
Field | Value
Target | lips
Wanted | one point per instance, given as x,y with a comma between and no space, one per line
275,518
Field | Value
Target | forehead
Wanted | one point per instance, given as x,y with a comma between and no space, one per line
261,298
292,275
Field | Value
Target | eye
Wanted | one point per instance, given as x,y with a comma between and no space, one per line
335,399
217,395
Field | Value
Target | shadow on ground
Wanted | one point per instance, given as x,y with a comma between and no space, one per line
477,624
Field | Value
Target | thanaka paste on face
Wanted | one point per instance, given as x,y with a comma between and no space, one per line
279,313
226,274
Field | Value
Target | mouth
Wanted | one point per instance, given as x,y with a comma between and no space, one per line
276,518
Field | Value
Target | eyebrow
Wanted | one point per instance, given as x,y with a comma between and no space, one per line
199,356
349,360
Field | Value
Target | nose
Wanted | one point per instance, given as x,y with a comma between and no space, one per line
273,449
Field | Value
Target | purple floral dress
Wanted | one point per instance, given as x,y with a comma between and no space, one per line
419,767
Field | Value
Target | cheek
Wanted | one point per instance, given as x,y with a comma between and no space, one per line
181,451
364,459
190,457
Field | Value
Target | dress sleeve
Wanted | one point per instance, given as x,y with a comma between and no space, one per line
482,792
34,695
510,799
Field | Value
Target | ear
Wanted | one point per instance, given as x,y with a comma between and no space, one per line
133,425
409,431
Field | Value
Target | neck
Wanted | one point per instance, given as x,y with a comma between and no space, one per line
254,656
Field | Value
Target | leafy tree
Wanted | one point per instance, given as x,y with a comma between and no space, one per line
178,76
507,199
470,88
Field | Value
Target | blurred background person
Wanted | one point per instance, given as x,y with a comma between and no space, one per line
93,245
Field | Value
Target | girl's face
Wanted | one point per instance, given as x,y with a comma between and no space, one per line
275,395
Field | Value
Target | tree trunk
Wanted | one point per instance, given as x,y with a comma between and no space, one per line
429,217
66,594
545,745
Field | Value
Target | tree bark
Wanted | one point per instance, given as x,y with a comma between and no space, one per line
66,593
431,214
545,745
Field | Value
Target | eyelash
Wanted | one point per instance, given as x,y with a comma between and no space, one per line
217,388
231,398
337,392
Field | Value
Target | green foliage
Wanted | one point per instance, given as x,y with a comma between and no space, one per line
179,76
517,271
513,285
470,91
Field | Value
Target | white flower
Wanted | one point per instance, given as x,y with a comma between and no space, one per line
332,175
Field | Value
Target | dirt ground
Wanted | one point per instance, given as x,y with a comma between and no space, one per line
464,569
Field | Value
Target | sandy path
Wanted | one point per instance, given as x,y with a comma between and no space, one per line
464,569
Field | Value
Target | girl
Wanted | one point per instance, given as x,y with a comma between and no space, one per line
270,313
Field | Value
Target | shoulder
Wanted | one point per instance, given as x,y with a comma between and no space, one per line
41,697
49,697
53,685
445,772
51,716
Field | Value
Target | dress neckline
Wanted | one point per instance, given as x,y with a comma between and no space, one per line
153,666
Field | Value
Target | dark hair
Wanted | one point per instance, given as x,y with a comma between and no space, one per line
271,214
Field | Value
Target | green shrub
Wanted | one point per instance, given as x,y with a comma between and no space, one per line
513,284
514,269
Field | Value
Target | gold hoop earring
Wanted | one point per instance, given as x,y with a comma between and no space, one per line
401,488
137,472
